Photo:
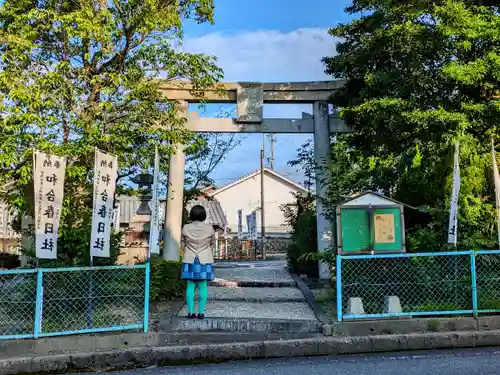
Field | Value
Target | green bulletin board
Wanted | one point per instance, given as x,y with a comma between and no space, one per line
367,229
355,229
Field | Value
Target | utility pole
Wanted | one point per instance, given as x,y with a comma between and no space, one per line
271,155
262,214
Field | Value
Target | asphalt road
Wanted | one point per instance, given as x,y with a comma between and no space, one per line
466,362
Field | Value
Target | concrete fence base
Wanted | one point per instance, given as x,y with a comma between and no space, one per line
170,355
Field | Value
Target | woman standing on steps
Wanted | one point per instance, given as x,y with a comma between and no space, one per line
197,240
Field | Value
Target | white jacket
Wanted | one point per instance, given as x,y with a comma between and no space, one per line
198,239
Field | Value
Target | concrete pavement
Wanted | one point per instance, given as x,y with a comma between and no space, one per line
466,362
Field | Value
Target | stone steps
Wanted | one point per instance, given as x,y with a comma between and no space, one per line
264,310
255,294
252,284
257,276
243,325
197,338
253,297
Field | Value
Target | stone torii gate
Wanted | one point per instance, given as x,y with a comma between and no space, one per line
250,99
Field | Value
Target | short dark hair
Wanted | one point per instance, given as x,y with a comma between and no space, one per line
198,213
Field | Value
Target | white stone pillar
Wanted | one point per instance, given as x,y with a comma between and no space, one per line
174,202
322,155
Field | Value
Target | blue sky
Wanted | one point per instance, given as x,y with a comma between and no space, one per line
268,41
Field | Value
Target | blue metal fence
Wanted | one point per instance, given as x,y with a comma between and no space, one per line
421,284
47,302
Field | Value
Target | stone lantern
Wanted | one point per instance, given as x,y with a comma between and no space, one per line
142,219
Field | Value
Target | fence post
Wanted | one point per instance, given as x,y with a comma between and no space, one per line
147,280
37,326
473,282
339,287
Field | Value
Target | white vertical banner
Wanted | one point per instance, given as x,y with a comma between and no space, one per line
249,226
105,174
224,253
48,182
240,224
116,216
496,180
453,220
3,232
154,227
225,228
254,225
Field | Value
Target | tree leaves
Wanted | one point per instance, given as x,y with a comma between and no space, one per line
79,74
420,76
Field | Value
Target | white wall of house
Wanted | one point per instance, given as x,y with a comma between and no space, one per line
245,195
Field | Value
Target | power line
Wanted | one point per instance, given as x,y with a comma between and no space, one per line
240,177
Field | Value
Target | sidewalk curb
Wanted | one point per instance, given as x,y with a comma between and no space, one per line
309,296
172,355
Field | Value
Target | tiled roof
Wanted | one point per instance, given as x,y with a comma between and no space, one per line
130,204
215,213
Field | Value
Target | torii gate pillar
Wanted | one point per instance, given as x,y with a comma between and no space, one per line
322,155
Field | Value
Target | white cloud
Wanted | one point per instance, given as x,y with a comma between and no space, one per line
266,56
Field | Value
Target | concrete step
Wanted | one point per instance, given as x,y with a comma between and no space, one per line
199,338
256,310
263,277
250,264
252,284
242,325
249,294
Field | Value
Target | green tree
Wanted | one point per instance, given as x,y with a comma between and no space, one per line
79,74
419,76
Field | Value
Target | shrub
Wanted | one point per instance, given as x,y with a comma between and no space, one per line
166,284
304,243
9,261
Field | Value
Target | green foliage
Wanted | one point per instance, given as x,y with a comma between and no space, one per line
302,219
166,284
419,76
86,74
9,261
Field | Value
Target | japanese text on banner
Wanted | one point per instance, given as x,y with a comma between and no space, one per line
48,181
154,230
105,169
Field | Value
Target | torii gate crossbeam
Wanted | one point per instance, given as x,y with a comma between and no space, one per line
250,99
